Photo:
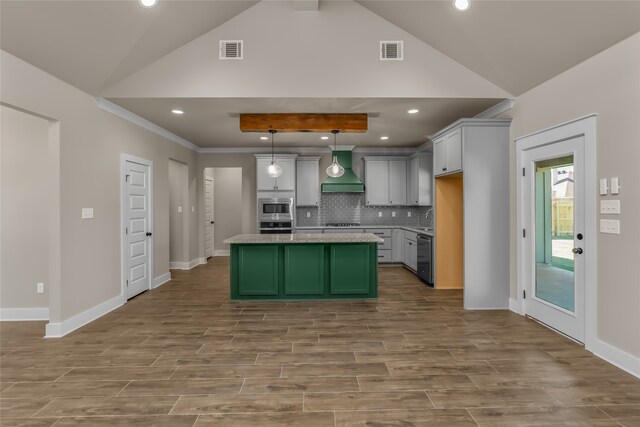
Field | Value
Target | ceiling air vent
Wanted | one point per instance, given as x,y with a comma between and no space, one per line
391,51
230,49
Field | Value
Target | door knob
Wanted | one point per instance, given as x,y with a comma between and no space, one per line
211,222
148,233
577,250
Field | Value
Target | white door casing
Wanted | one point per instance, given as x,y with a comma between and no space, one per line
585,128
209,219
137,225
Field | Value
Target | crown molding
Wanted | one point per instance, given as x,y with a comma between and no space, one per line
499,108
123,113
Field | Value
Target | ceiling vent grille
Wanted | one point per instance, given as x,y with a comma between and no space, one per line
391,51
231,49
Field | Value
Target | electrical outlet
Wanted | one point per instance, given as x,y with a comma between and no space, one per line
393,214
409,214
179,209
610,207
40,288
308,214
379,214
610,226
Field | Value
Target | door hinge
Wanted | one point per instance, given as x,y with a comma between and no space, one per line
524,294
523,171
524,233
126,178
127,282
126,230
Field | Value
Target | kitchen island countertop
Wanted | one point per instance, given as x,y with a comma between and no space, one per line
303,238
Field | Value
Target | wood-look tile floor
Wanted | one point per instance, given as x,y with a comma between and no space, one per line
184,355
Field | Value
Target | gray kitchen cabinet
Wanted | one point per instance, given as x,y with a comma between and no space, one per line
397,182
448,152
410,251
420,180
385,181
397,245
285,182
384,249
377,182
307,181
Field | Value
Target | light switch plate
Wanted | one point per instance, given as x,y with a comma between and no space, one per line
604,187
193,209
379,214
308,214
610,207
615,185
408,214
87,213
393,214
40,288
610,226
179,209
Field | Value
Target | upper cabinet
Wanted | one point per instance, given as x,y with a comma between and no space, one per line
420,179
285,182
308,181
385,181
447,150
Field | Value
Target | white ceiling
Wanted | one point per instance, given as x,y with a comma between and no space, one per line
209,122
515,44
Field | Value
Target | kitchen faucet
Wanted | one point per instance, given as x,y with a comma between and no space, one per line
427,217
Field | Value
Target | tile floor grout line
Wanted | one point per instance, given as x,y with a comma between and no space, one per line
471,415
122,389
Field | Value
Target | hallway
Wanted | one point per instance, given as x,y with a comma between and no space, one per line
184,355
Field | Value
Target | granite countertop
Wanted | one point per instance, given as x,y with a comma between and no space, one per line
420,230
304,238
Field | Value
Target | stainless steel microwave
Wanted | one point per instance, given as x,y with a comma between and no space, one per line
280,209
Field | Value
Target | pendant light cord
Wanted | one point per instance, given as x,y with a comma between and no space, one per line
272,132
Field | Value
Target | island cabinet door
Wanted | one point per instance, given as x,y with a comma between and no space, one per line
258,270
304,269
350,269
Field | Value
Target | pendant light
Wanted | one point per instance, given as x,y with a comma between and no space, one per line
273,170
335,170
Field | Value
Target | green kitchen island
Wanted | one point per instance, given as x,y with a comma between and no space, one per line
304,266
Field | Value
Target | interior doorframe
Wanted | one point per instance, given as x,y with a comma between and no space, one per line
582,127
124,158
205,179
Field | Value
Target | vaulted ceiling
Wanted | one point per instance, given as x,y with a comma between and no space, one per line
515,45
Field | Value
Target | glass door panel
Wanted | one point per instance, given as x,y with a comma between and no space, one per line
554,230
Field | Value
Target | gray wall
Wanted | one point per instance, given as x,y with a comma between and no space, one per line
607,84
178,221
91,140
227,205
25,215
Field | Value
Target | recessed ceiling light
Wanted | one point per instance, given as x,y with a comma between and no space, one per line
324,137
462,5
176,111
148,3
384,138
413,111
264,138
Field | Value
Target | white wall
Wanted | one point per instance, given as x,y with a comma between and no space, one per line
25,210
607,84
91,141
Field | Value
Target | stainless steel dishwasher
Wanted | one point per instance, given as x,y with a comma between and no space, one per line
425,258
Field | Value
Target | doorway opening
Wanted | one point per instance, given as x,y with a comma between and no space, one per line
223,208
178,215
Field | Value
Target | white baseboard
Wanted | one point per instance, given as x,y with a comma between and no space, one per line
57,330
615,356
514,305
185,265
161,280
203,261
194,263
222,252
23,314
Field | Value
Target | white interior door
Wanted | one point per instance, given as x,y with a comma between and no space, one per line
209,221
137,228
554,222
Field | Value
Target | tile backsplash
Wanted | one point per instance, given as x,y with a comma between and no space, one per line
350,207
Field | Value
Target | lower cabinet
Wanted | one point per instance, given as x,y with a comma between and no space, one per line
350,269
257,270
304,271
410,253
